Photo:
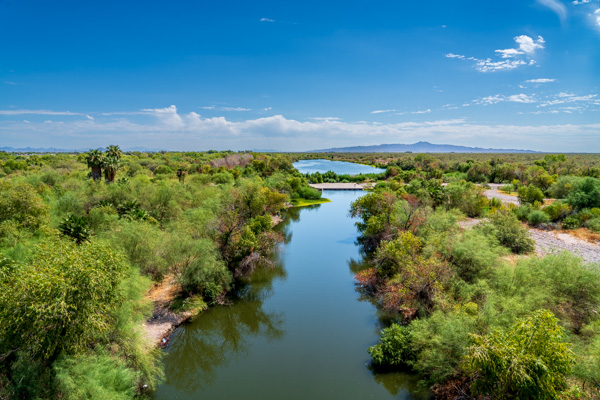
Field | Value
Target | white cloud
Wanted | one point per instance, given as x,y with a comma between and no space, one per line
89,117
382,111
576,2
37,112
267,108
597,17
540,80
512,58
528,45
227,108
415,112
267,20
508,53
498,98
556,6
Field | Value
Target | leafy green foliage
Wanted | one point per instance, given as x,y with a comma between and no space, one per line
21,204
530,194
586,195
77,228
530,360
537,217
60,301
94,376
510,233
393,349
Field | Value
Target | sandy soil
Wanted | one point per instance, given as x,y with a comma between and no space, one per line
163,321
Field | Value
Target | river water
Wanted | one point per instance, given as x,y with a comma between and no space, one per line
297,331
339,167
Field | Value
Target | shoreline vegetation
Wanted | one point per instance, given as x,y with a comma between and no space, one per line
104,243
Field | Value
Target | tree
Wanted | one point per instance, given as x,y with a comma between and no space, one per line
111,162
111,166
529,361
63,300
22,205
95,160
586,195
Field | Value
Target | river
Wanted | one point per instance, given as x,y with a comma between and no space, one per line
339,167
297,331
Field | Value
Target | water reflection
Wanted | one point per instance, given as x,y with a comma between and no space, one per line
223,334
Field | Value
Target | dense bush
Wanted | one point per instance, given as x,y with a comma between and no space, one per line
530,360
530,194
557,210
537,217
393,349
510,233
586,195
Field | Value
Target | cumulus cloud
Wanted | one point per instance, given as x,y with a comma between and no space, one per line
556,6
511,58
168,128
597,17
577,2
528,45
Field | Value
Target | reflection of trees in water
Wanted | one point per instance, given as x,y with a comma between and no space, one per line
399,384
402,385
224,333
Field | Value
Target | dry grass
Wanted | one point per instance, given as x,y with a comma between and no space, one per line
584,234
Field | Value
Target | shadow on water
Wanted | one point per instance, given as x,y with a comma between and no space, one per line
223,334
395,382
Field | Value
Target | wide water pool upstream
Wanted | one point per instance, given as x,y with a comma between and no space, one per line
298,331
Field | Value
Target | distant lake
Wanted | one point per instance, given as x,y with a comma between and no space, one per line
339,167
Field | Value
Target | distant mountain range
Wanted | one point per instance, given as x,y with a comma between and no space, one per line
57,150
420,147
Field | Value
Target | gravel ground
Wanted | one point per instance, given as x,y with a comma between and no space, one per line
493,192
549,242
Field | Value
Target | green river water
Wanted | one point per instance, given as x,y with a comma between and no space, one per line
297,331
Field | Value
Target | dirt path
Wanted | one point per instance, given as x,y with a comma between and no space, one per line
547,242
494,192
163,321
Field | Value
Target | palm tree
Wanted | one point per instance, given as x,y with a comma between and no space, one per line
94,160
111,162
114,151
111,166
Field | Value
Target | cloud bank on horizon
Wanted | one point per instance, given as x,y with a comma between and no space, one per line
514,74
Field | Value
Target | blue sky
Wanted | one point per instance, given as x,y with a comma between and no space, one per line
292,76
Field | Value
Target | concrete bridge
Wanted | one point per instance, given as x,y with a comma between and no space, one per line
341,186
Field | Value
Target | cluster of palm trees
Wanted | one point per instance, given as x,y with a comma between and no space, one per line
107,162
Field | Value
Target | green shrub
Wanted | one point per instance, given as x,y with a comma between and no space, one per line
530,194
537,217
475,255
163,170
440,343
564,185
466,197
593,224
94,376
529,361
571,222
523,211
393,349
586,195
510,233
77,228
557,210
507,188
495,202
309,193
